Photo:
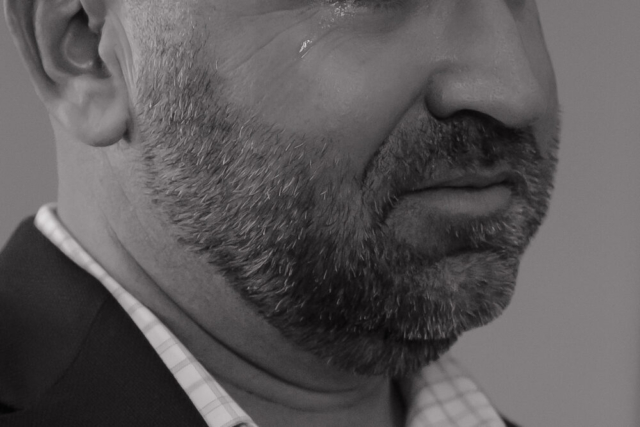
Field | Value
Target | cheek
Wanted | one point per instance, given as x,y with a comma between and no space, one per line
349,85
352,92
357,101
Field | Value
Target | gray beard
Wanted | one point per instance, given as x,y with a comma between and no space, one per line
307,241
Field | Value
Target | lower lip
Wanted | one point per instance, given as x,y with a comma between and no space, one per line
462,200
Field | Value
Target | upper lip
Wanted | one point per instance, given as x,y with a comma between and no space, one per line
465,179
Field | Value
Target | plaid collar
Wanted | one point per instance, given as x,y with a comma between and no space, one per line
440,395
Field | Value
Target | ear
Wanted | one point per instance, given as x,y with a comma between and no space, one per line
71,55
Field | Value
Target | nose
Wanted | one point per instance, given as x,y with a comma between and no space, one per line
485,66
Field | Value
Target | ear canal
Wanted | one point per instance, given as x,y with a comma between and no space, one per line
79,47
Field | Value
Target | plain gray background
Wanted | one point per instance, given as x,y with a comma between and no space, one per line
567,351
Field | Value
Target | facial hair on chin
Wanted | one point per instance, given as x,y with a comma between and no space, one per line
306,243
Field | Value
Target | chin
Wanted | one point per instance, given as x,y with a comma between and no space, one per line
397,325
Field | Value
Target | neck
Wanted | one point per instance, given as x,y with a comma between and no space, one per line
274,381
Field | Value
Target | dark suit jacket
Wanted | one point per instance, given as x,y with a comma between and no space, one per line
69,354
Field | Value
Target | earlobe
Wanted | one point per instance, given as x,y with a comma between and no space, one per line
70,51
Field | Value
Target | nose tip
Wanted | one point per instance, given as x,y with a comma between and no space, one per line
487,67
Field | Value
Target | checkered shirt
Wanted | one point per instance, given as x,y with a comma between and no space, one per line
440,395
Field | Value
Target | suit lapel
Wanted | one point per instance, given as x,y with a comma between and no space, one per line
70,355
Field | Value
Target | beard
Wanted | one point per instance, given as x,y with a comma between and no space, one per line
313,245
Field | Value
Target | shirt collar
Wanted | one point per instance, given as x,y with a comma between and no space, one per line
440,395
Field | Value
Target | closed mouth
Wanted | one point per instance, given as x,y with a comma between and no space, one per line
476,180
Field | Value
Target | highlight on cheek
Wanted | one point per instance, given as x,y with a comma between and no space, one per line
304,47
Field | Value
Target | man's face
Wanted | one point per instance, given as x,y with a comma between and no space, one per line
365,173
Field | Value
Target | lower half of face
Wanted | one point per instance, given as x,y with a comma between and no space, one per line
357,268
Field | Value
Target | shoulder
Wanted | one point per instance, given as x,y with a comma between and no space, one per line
47,304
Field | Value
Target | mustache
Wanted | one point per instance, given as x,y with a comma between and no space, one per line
431,148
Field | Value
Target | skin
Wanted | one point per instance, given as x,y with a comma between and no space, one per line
350,73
